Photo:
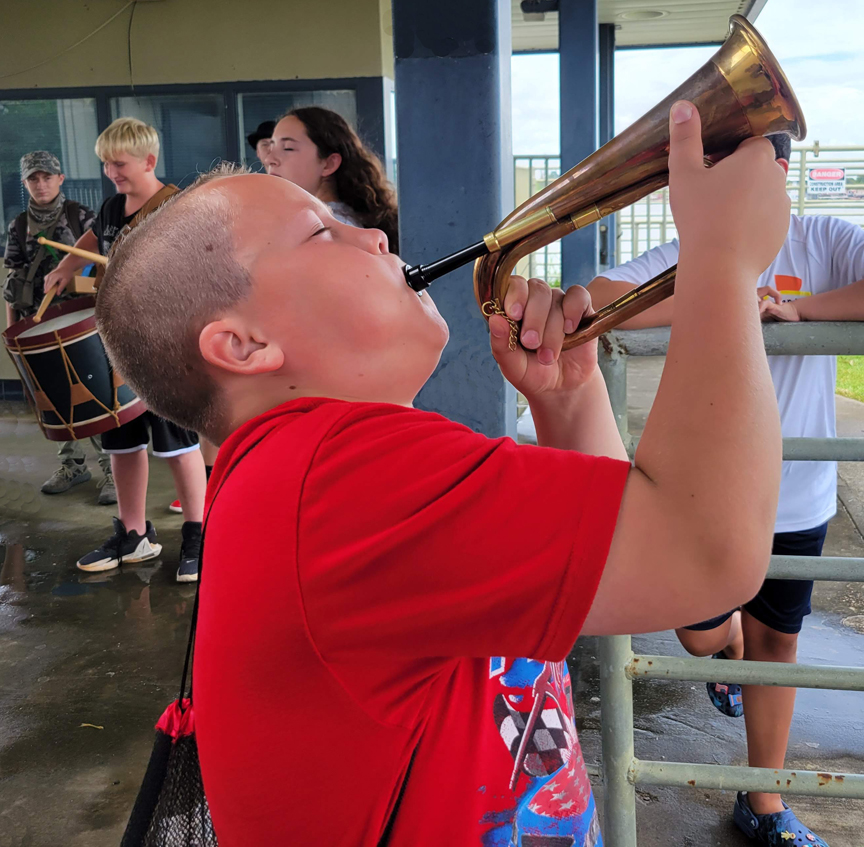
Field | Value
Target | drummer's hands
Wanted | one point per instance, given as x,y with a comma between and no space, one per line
59,278
538,367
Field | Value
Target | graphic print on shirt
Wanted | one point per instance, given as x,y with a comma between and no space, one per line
554,805
789,287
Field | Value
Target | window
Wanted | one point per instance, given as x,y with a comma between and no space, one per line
191,131
254,109
66,128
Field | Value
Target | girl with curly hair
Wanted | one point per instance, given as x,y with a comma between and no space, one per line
316,149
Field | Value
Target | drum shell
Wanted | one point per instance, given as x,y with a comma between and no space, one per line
72,390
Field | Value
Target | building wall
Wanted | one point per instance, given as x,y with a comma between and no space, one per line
194,41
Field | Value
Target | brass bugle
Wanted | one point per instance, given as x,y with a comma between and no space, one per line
75,251
740,92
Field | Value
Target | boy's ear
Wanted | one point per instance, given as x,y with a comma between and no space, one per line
151,161
228,345
334,160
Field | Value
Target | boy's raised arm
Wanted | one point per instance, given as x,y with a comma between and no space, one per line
694,530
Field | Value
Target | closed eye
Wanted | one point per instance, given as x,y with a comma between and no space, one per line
319,231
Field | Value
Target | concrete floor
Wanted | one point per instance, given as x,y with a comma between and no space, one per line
88,663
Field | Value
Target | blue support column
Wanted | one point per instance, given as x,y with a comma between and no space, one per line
578,54
455,172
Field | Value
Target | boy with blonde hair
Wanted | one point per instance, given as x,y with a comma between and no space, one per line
129,150
372,691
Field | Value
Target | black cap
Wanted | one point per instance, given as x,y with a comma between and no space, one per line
265,130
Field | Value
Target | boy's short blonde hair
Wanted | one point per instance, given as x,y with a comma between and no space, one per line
127,135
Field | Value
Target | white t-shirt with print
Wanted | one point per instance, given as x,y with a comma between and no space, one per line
820,254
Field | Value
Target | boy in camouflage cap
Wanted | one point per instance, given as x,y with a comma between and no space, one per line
27,263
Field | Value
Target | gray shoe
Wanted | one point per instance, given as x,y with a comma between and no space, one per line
108,494
66,477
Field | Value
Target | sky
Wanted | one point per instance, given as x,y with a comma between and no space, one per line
817,44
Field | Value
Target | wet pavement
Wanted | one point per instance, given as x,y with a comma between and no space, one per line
88,663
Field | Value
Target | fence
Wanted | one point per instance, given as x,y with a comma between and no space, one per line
649,222
621,770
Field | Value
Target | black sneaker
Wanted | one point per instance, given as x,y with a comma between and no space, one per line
190,551
122,547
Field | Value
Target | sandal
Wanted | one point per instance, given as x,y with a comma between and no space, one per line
780,829
726,698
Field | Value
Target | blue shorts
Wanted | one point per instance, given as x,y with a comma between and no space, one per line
781,604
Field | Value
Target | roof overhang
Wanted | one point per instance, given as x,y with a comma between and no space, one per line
638,23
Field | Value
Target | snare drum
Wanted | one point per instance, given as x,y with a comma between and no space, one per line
66,373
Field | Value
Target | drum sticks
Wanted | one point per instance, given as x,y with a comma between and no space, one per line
84,254
75,251
46,302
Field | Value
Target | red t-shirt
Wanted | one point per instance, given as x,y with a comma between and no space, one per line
367,567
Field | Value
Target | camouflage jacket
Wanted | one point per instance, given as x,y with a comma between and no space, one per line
18,257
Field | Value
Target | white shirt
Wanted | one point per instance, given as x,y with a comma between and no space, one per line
820,254
344,213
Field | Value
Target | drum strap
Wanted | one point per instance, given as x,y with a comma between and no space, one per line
163,194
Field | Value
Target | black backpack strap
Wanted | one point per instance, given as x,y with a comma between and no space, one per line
73,217
21,231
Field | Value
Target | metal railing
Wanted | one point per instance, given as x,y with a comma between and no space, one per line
622,771
649,223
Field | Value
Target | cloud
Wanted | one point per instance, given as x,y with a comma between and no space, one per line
535,92
820,53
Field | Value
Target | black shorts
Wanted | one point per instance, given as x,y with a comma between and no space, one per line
168,438
781,604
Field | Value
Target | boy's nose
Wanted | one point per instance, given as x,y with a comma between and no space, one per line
374,240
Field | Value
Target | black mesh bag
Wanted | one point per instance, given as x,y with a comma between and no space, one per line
171,808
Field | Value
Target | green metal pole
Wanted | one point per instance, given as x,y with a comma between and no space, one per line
612,359
736,778
616,730
749,673
802,180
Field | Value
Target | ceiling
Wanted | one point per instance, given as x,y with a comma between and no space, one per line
641,23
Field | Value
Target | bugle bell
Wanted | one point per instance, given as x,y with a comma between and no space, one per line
740,92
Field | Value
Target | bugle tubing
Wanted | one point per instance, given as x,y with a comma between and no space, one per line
740,92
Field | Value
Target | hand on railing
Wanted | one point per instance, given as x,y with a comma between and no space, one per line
772,307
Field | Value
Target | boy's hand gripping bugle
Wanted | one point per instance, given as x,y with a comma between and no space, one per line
693,537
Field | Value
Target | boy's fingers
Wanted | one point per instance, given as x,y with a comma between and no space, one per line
766,291
553,332
685,138
516,297
536,312
499,339
577,305
761,145
768,310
